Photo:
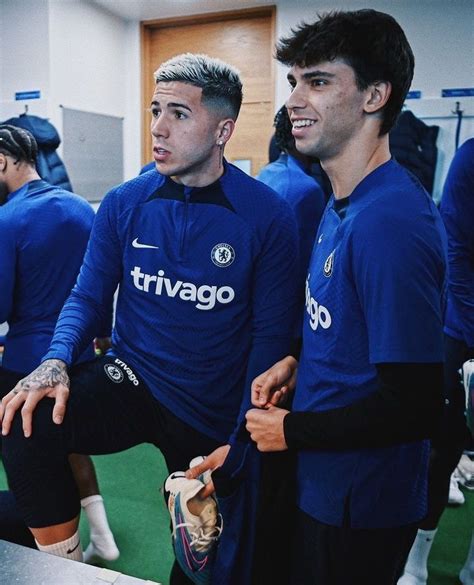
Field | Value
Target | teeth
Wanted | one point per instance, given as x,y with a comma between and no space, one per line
301,123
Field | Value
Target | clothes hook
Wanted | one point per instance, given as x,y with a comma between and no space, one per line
458,110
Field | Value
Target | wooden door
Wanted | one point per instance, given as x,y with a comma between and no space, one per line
244,39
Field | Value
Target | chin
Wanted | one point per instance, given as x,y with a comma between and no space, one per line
164,169
307,149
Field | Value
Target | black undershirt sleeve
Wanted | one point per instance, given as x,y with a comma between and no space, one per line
406,408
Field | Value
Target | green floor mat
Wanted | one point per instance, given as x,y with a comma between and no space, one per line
131,481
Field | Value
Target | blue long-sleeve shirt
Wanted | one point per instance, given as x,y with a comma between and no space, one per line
206,290
43,236
457,211
305,196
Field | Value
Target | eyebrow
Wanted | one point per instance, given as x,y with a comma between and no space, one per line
310,74
173,105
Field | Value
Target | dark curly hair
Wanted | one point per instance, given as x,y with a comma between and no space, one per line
283,136
18,143
371,42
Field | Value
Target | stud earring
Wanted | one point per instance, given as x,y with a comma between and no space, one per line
219,143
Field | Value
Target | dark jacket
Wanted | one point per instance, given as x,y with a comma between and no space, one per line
49,166
413,144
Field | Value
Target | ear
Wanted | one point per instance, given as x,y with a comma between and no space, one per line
3,162
225,129
378,95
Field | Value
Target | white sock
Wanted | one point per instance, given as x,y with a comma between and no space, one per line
69,549
416,568
102,543
466,576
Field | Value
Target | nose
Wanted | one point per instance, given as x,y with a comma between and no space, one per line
159,126
296,98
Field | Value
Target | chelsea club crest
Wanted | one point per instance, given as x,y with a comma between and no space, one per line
329,264
223,255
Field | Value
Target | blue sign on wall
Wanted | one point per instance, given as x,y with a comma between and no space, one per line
458,92
28,95
414,95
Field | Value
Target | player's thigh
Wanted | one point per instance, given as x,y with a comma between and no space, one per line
8,380
109,408
179,441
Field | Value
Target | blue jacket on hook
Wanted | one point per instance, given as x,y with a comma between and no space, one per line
50,167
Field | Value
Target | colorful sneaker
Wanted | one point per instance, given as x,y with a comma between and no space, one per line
194,537
204,477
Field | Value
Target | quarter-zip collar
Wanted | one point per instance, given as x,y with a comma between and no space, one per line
211,194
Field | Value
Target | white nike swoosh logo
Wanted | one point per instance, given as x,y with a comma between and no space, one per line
136,244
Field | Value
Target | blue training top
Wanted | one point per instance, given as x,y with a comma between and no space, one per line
207,286
374,294
44,233
457,211
287,177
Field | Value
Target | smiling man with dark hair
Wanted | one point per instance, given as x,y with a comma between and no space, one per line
369,382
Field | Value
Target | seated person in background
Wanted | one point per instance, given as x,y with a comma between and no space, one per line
290,177
44,233
204,257
457,211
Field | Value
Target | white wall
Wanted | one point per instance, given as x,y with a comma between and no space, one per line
24,51
87,60
74,52
133,102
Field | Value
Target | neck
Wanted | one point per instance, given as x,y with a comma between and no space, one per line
350,166
202,177
23,174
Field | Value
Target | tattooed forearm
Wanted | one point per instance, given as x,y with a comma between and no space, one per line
48,375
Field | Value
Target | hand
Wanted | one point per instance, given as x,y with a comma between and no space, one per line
102,345
266,428
273,386
49,379
211,462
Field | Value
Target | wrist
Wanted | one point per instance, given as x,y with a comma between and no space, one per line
57,363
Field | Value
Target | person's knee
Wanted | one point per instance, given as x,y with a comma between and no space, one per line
39,474
30,457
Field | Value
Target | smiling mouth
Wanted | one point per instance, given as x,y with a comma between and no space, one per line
303,123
